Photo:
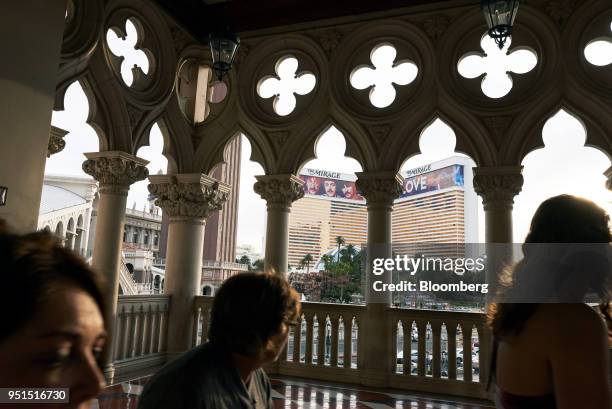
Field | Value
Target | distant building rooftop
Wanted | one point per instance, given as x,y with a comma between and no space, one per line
56,198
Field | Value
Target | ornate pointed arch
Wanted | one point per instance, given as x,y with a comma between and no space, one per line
526,136
358,146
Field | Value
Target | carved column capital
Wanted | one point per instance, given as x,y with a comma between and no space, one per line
608,175
379,188
189,196
497,185
279,191
56,140
115,170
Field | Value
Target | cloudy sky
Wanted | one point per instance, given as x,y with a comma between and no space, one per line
564,166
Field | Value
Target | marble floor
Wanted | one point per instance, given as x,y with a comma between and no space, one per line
300,394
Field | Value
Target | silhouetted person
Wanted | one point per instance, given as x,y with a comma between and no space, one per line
51,319
554,353
250,320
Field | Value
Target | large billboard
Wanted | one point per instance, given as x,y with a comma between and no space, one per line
423,180
329,184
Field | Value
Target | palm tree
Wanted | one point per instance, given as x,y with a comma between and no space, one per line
350,252
307,260
339,241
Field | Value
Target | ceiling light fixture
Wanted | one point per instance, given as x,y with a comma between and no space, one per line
500,15
223,47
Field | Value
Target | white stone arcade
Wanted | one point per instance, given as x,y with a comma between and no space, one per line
497,131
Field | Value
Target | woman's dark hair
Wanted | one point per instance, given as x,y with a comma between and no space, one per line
32,265
249,308
560,219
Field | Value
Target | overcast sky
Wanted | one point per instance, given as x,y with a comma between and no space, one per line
564,166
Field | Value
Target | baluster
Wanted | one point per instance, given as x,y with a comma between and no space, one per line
333,358
136,318
205,322
484,357
150,328
451,331
348,347
436,328
146,330
321,342
297,341
142,318
407,365
133,332
196,327
422,328
127,332
309,338
154,330
119,333
163,325
467,353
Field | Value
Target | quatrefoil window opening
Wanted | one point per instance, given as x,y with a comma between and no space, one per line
496,65
599,51
125,47
285,84
384,75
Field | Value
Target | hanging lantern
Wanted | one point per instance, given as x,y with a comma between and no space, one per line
223,47
499,15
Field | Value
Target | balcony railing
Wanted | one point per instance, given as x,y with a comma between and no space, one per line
229,265
140,333
143,214
325,345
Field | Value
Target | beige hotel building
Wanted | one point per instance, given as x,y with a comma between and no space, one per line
437,206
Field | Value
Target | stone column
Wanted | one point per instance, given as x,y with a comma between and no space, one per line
380,190
70,239
31,54
188,199
279,191
497,186
115,171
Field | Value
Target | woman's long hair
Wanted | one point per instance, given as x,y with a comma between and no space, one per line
560,219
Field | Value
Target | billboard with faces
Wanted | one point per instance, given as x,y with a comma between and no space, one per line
328,184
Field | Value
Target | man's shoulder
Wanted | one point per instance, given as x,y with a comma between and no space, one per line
201,358
181,379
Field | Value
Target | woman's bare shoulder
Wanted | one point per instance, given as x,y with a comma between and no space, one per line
573,323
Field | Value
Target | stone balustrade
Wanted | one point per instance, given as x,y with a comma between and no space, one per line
140,333
325,345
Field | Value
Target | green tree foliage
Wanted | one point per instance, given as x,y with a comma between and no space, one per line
258,265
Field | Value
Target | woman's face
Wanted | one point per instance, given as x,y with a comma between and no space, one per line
58,348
